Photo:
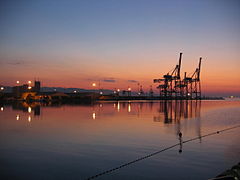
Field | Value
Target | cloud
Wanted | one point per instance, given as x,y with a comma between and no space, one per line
16,63
109,80
132,81
13,62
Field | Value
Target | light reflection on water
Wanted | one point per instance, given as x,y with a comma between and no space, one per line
39,141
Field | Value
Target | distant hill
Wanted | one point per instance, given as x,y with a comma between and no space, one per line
71,90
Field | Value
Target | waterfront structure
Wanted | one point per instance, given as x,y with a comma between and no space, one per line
26,90
171,86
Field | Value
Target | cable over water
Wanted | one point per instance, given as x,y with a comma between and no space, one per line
157,152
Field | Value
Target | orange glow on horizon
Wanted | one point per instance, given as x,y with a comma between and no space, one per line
218,76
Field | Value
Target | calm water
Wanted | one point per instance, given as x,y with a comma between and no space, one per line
78,141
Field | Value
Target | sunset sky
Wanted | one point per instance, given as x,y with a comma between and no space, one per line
72,43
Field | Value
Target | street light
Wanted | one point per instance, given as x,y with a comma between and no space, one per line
2,88
29,82
129,91
94,84
18,82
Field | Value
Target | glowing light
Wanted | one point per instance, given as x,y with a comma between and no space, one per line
93,84
129,89
17,117
94,115
2,108
75,91
29,82
101,92
18,82
29,109
55,89
188,94
118,106
129,107
118,90
100,105
2,88
29,87
29,118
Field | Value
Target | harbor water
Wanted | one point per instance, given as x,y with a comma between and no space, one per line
54,141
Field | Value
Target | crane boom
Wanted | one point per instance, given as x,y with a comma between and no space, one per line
179,66
199,69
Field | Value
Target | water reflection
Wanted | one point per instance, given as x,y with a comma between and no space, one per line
30,110
28,107
174,111
17,117
165,112
37,111
180,142
81,136
29,118
118,106
94,115
129,107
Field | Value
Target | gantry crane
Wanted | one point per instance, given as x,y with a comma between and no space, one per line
170,83
192,84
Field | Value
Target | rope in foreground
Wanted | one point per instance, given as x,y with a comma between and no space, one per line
157,152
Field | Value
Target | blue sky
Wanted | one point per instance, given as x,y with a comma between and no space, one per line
105,34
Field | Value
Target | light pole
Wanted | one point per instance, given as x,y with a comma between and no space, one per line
99,86
29,85
118,92
99,89
129,91
94,85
